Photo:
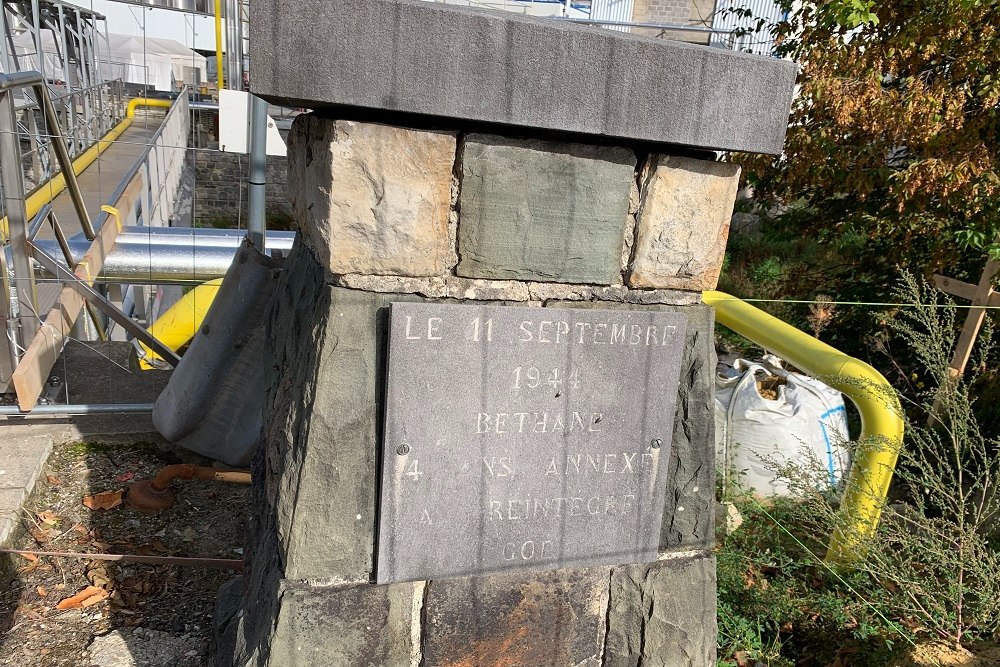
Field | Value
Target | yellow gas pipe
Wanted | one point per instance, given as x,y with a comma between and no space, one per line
881,414
218,44
179,323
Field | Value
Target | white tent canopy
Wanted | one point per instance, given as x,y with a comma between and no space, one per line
154,62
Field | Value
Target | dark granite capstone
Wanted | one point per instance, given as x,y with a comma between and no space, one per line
501,68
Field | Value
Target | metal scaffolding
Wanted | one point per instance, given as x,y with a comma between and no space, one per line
66,44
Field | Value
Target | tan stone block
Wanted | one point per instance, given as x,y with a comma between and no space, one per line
683,223
372,199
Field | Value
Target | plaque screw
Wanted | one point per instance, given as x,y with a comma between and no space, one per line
655,444
403,449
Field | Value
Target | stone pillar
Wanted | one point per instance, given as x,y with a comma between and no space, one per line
470,162
386,216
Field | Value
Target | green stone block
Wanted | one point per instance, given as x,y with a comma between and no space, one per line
543,211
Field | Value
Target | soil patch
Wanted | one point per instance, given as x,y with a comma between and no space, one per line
142,610
939,654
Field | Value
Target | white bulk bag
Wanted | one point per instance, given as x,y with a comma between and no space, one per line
806,422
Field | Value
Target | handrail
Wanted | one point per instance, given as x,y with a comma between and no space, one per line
134,169
876,400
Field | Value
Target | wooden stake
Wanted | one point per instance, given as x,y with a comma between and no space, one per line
982,294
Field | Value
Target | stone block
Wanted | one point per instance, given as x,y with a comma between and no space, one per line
542,211
546,619
326,361
353,626
663,614
688,514
683,223
372,198
435,59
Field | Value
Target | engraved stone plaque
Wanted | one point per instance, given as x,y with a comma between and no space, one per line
524,438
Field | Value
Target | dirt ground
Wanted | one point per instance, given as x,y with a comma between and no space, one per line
940,654
144,614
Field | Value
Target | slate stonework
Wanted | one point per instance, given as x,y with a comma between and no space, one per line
310,555
543,211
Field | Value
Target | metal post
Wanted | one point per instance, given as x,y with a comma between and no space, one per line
70,103
256,225
17,224
65,161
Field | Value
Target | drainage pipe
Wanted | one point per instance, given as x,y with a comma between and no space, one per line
256,225
154,495
78,409
876,400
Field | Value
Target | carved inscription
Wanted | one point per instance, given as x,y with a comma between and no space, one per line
523,437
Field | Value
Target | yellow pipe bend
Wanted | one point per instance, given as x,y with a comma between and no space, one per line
881,414
146,102
179,323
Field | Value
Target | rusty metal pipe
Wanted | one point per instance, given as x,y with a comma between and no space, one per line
189,471
154,495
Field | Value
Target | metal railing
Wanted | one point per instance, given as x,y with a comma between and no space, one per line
83,116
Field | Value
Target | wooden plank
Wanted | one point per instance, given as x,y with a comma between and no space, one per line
33,370
954,287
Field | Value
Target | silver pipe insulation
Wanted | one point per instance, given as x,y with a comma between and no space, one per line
78,409
166,255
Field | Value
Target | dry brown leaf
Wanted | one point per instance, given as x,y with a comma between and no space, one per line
105,500
31,567
98,576
41,591
80,528
42,535
31,557
53,480
48,518
94,599
81,598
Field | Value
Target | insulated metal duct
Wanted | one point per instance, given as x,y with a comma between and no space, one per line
167,255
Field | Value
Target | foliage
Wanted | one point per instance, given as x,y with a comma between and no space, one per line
777,262
930,565
937,554
777,602
893,133
931,570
